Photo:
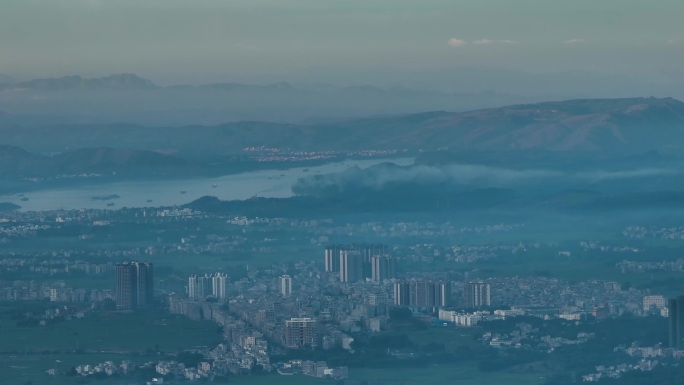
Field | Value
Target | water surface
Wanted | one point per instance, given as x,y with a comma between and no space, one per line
263,183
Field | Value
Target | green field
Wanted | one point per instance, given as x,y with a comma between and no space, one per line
451,337
465,374
32,369
111,332
114,336
275,379
440,374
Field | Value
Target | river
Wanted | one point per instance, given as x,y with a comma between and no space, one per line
263,183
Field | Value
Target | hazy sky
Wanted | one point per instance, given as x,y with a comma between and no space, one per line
249,40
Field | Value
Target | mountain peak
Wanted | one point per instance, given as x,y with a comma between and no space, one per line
281,86
125,80
117,81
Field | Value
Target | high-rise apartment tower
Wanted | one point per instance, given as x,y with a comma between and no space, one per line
285,285
477,294
134,285
676,314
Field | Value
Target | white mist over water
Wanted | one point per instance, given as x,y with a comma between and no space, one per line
263,183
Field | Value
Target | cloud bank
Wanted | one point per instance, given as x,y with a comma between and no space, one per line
457,42
461,176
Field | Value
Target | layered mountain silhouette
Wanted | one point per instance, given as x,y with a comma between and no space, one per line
591,124
119,81
633,125
16,162
133,99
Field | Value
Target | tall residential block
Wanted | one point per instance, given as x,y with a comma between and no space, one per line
443,294
368,251
144,284
355,262
477,294
351,266
199,286
422,294
401,294
300,332
676,314
125,286
134,285
383,267
332,258
203,286
219,284
285,285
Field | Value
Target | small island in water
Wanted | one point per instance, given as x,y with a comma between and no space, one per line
106,197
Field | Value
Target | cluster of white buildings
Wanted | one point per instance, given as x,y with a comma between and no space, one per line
460,318
655,303
618,370
175,212
204,286
165,368
108,367
318,369
651,303
650,357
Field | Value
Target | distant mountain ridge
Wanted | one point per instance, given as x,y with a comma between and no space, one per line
133,81
134,99
632,125
18,163
119,81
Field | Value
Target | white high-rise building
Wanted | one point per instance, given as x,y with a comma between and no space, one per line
192,286
332,258
382,267
203,286
219,282
285,283
351,266
199,286
477,294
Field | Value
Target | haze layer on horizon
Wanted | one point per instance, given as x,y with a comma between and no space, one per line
378,42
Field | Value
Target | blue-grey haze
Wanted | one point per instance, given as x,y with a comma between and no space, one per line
341,42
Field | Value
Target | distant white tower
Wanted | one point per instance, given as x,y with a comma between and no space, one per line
285,285
203,286
218,285
199,286
477,294
192,286
382,267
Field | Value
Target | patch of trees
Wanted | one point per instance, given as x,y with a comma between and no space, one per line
189,359
401,318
